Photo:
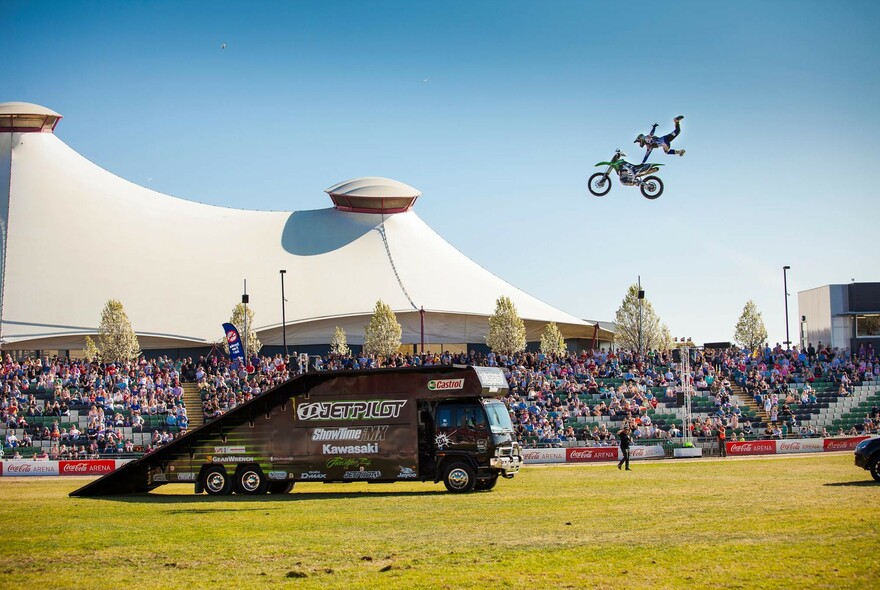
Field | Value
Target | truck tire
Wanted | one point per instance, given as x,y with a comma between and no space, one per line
250,481
875,468
459,478
484,485
216,481
280,487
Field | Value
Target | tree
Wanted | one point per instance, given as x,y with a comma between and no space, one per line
91,351
666,341
627,321
382,334
507,332
116,338
339,343
552,341
253,343
750,331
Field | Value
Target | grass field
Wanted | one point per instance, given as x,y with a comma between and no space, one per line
794,522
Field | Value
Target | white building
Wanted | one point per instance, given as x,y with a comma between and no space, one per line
75,235
844,316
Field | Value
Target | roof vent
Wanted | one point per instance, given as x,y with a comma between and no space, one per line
373,194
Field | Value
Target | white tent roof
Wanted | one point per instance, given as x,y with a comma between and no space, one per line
76,235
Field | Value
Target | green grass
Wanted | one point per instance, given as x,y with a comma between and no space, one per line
798,522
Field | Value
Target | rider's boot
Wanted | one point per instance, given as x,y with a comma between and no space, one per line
681,152
678,118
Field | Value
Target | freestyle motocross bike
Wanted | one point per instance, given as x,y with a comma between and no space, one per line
629,174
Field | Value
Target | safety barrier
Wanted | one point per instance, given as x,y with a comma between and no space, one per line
25,468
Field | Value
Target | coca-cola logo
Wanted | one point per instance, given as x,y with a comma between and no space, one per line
591,454
28,468
87,467
758,447
842,444
790,446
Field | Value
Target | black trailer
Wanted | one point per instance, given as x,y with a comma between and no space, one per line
384,425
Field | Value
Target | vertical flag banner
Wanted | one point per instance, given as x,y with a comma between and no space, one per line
234,341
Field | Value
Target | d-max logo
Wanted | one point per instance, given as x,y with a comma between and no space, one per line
313,475
355,410
231,337
445,384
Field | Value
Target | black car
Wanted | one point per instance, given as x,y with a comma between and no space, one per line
868,456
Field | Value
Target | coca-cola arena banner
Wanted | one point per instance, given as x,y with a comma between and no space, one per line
589,454
86,467
800,445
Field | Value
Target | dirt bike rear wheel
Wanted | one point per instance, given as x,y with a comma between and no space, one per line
652,187
599,184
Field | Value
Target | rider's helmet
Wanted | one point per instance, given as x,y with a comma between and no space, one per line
640,139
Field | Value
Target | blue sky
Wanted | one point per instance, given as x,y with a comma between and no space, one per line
521,99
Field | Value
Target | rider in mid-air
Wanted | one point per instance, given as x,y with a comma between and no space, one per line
651,141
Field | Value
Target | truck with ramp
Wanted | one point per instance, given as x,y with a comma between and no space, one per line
430,424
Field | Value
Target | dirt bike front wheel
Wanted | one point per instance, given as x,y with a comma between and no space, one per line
599,184
652,187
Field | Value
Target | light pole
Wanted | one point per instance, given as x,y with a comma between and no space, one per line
785,286
283,318
641,296
244,300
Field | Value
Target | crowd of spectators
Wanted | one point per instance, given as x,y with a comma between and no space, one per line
111,396
573,397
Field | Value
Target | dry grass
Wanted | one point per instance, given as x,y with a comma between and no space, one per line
803,522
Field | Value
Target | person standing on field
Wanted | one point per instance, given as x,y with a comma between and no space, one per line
625,439
722,440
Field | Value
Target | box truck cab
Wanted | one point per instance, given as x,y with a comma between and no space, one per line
427,424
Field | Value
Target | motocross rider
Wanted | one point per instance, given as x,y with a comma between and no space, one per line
651,141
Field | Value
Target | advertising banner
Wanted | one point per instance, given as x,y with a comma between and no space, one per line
843,444
544,455
588,454
646,452
93,467
236,351
29,468
801,445
752,447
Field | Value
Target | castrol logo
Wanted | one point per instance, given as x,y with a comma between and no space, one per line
445,384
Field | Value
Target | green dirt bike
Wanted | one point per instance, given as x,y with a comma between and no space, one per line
629,174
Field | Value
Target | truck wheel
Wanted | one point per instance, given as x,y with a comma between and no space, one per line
280,487
216,481
875,469
250,481
486,484
460,478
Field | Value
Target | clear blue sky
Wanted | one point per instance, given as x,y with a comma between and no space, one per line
521,99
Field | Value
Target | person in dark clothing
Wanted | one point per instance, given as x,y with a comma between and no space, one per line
722,442
625,439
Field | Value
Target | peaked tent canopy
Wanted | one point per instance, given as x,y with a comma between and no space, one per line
156,254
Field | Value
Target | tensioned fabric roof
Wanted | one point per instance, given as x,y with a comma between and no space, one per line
75,235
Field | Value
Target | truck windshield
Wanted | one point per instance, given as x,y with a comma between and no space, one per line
499,417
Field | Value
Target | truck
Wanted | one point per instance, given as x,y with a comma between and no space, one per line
429,424
867,456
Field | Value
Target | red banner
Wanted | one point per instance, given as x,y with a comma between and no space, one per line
843,444
754,447
591,454
91,467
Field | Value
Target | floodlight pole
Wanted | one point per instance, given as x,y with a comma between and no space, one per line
641,296
283,318
785,270
244,300
686,387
